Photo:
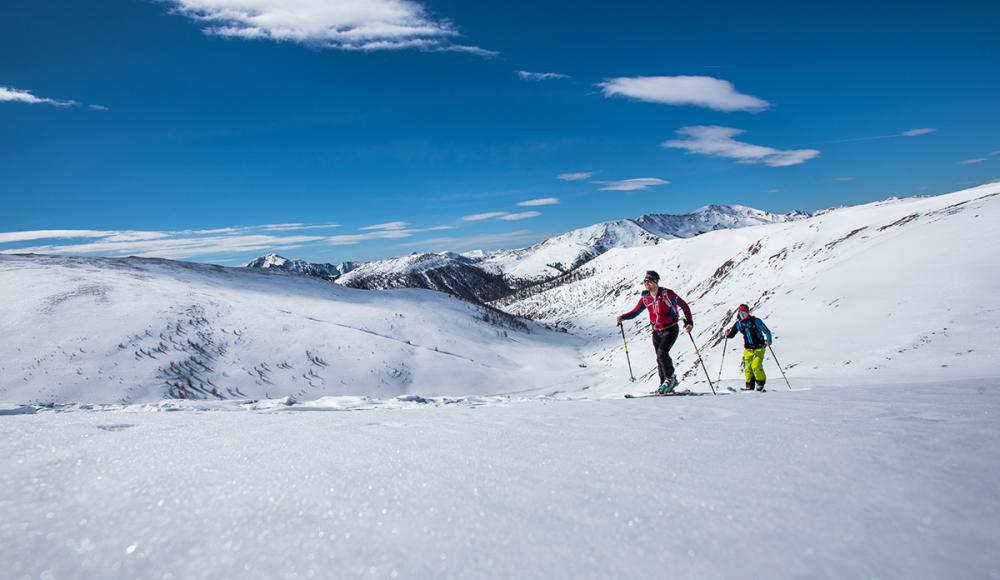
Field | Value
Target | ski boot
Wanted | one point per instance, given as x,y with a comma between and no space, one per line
748,386
760,386
667,387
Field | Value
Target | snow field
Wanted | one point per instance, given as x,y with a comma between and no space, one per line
878,481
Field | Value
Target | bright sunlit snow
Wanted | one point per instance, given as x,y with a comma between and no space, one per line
172,420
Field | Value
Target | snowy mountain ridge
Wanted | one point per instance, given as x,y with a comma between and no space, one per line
891,289
500,272
324,271
883,292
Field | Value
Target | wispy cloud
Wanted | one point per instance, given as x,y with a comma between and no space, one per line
537,76
172,247
99,107
12,95
972,161
343,24
478,217
485,241
718,141
512,217
908,133
917,132
386,226
180,244
844,178
294,227
635,184
28,236
539,201
373,235
992,153
698,91
577,176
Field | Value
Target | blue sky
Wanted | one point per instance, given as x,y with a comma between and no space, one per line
354,130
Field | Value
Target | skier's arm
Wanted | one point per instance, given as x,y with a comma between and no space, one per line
732,331
634,312
764,330
686,309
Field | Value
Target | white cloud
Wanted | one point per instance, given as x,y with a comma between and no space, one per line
992,153
99,107
539,201
972,161
173,248
578,176
698,91
293,227
536,76
478,217
775,190
386,226
27,236
373,235
176,244
718,141
12,95
916,132
338,24
635,184
520,216
844,178
486,241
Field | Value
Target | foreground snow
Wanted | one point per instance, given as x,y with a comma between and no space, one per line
830,482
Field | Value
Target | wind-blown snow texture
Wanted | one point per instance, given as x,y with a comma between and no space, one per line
480,446
102,330
834,482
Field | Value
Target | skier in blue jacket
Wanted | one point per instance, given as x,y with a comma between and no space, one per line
756,339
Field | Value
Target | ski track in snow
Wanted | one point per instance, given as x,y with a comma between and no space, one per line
824,482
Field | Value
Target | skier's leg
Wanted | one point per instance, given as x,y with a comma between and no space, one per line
748,369
666,343
656,351
758,365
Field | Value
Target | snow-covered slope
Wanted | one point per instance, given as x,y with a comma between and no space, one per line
445,272
325,271
895,290
565,252
107,330
562,253
482,276
898,290
711,218
828,483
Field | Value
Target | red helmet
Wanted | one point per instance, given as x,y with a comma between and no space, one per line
743,308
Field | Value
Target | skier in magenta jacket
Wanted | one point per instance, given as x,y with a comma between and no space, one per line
662,305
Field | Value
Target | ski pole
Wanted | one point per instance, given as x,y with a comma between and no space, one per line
779,367
723,361
698,352
622,328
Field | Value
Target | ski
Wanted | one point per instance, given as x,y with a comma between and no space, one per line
670,394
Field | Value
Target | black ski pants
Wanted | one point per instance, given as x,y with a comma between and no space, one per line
663,341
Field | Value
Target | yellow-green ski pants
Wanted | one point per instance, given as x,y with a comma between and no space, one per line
753,364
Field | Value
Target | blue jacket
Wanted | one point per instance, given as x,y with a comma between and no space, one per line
755,333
